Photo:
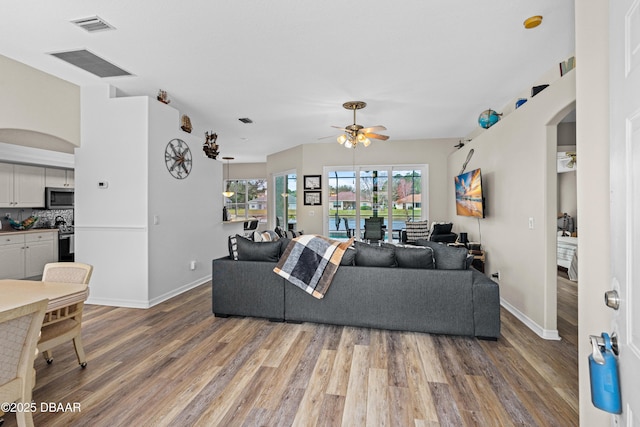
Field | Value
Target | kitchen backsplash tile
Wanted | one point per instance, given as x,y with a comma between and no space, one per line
46,217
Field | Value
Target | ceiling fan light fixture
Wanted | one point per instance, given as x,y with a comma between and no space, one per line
356,134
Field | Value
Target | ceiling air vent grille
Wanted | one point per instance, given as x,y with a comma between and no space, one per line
246,120
92,63
93,24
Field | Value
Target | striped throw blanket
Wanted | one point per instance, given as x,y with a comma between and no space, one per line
310,262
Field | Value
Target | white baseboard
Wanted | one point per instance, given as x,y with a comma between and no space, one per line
547,334
178,291
147,304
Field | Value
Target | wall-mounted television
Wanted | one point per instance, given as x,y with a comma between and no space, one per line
469,197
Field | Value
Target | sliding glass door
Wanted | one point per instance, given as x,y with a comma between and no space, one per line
391,193
285,200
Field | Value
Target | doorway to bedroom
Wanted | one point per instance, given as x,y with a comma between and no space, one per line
567,228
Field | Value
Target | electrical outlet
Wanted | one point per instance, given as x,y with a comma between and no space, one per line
531,223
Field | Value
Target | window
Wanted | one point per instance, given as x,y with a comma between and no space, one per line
391,192
249,199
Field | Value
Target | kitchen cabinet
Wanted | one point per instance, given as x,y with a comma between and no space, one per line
62,178
24,254
21,186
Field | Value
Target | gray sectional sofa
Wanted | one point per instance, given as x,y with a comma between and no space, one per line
439,301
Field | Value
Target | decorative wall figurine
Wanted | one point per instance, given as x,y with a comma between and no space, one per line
163,97
185,124
210,147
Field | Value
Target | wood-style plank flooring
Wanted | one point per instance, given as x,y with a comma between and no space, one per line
177,365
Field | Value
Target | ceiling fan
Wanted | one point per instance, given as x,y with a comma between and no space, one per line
356,134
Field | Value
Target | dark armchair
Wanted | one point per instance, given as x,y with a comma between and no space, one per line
441,232
373,229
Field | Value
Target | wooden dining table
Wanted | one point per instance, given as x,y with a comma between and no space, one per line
14,293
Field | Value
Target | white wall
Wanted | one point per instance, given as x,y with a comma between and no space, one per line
310,159
111,224
592,131
38,109
189,210
244,170
517,157
568,195
138,263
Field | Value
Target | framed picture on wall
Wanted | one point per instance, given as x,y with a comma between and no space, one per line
313,198
312,182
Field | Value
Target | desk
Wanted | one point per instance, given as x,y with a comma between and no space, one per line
14,293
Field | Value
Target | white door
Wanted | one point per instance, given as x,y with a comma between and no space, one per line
625,196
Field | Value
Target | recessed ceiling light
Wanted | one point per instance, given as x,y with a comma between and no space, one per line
532,22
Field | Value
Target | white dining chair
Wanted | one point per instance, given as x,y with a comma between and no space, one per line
65,323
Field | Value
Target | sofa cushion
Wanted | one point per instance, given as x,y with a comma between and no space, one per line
413,256
374,256
447,257
417,230
247,250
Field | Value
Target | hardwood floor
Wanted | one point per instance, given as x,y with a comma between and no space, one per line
177,365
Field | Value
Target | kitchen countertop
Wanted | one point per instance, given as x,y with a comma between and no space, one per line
31,230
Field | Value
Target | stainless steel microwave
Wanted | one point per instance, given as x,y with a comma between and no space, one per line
58,198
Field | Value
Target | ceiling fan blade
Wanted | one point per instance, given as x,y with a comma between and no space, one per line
373,129
342,129
376,136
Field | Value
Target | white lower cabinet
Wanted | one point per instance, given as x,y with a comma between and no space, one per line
24,255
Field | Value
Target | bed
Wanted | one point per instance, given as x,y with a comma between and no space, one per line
568,255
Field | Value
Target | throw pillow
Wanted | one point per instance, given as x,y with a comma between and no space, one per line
413,256
349,256
374,256
233,247
284,242
417,230
447,257
272,234
248,250
469,261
